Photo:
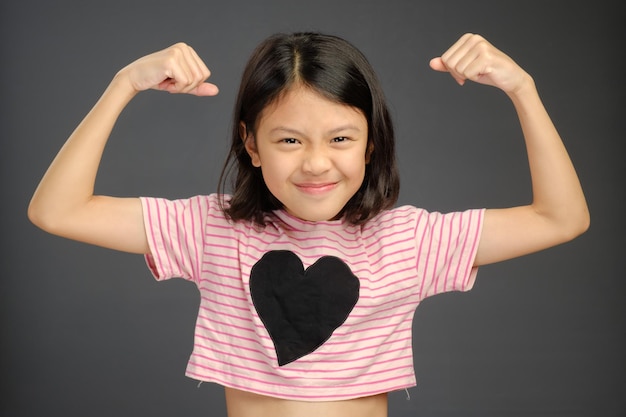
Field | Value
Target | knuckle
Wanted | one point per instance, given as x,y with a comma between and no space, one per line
177,50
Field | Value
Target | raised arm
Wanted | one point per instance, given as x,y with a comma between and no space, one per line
558,211
64,203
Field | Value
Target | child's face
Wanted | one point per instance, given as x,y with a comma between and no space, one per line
312,153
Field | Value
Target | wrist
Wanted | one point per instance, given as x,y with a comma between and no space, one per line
121,83
525,88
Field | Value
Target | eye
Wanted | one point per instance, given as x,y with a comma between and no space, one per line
289,141
340,139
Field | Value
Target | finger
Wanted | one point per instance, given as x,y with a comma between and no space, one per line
186,79
205,90
463,61
477,60
201,72
455,55
456,49
452,58
204,70
438,65
196,71
477,69
176,69
185,72
202,89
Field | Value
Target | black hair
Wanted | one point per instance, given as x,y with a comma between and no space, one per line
337,70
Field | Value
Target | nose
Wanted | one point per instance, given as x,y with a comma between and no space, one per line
316,161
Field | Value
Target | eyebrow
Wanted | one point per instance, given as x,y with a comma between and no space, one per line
338,129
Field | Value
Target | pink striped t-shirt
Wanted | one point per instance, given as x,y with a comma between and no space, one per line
400,257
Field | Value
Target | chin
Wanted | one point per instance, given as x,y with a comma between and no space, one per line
315,216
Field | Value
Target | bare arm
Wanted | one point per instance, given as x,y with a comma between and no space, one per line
558,211
64,203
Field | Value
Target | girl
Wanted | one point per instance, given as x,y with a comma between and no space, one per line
307,275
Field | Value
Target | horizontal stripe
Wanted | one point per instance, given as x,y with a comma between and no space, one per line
400,257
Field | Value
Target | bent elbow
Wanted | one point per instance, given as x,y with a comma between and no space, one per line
584,223
42,218
577,225
37,216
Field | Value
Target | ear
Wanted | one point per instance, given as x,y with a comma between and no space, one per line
368,152
250,144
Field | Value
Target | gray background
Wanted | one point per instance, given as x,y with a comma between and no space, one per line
86,331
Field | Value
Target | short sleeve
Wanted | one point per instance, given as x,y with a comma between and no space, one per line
175,233
446,249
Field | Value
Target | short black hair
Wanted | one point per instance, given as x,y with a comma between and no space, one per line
337,70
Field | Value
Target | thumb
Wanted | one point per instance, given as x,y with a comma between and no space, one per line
438,65
202,89
205,89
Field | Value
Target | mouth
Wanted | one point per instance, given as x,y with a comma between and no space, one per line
316,188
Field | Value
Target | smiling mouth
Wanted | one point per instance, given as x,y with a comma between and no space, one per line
315,189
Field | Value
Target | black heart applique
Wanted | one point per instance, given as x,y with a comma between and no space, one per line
301,309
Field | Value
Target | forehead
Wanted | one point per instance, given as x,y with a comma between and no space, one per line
301,105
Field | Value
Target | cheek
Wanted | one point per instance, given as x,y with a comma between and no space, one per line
275,171
356,166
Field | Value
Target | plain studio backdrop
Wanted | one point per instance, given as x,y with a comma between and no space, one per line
87,331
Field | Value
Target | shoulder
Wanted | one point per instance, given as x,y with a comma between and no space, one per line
207,202
196,209
421,219
394,217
